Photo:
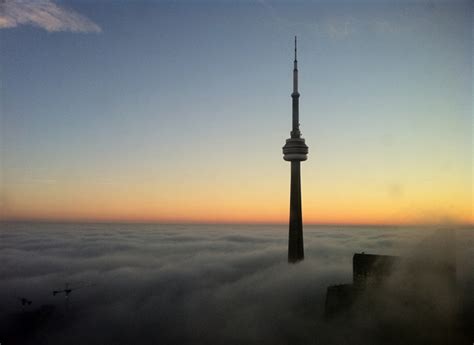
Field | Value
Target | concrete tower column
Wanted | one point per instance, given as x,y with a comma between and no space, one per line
295,151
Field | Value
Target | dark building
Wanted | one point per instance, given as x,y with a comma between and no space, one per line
371,269
368,271
411,299
295,151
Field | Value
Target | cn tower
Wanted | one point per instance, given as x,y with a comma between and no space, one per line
295,151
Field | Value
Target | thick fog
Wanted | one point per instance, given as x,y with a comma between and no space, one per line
207,284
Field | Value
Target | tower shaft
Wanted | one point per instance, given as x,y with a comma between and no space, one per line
295,241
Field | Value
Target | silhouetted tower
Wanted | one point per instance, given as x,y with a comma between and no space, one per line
295,151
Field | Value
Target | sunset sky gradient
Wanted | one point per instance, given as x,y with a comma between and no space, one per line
177,111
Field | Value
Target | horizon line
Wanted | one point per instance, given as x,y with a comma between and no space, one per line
263,223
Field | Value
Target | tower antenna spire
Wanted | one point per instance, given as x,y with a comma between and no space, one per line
295,48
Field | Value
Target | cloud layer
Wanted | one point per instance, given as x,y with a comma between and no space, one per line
44,14
158,284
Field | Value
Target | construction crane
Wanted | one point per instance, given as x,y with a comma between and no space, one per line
67,290
24,301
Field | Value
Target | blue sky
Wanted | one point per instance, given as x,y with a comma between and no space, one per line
159,93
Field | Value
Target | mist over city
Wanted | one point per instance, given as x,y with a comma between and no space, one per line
206,284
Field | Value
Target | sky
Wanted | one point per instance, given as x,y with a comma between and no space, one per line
177,111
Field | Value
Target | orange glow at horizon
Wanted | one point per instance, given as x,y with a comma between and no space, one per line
255,204
251,191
